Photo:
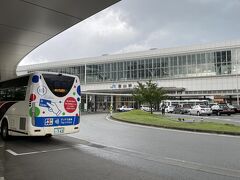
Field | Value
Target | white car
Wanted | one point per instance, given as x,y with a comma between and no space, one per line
124,108
146,108
169,109
200,110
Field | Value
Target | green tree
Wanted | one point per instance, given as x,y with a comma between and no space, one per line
149,93
138,93
159,96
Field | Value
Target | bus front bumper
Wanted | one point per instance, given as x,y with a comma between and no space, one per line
57,130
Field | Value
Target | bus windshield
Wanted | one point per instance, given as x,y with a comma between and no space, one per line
59,84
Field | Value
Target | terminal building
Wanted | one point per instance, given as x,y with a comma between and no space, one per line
206,71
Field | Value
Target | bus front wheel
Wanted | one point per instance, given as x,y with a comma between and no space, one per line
4,130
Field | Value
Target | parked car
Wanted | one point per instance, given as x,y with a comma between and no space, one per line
186,108
178,109
170,109
124,109
229,106
221,109
212,104
200,110
182,109
146,108
236,108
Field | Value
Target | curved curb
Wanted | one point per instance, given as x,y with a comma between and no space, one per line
176,128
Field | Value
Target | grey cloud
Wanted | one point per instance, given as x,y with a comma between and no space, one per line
133,25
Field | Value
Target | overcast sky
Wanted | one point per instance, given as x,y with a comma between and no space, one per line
135,25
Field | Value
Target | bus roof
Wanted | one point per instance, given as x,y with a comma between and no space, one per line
38,72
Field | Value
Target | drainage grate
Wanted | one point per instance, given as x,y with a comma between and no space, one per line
96,145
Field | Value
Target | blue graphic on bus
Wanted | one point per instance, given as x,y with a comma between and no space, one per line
44,103
48,122
52,107
56,121
79,90
35,79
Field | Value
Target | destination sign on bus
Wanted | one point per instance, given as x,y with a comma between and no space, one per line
60,90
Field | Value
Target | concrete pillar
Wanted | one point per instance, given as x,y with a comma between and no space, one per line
85,72
111,99
237,98
86,103
95,103
111,105
230,99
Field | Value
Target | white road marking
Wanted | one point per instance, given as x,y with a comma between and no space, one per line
205,168
183,161
12,152
35,152
150,157
175,130
170,161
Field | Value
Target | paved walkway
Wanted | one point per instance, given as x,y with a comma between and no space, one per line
1,163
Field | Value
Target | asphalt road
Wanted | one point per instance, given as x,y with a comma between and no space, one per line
106,149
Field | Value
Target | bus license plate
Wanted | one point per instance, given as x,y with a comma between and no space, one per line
58,130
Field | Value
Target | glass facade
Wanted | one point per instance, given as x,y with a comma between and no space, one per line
77,70
212,63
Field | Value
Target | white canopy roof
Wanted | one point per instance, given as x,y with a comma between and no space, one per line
25,24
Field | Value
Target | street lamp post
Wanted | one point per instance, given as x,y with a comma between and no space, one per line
237,89
236,71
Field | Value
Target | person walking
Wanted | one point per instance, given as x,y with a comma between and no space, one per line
163,109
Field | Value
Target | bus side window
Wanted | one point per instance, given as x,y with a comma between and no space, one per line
14,90
2,94
20,93
10,94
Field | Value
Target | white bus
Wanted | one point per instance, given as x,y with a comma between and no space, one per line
192,102
40,104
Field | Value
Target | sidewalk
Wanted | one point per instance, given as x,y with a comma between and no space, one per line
1,159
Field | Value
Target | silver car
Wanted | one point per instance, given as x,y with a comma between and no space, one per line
200,110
